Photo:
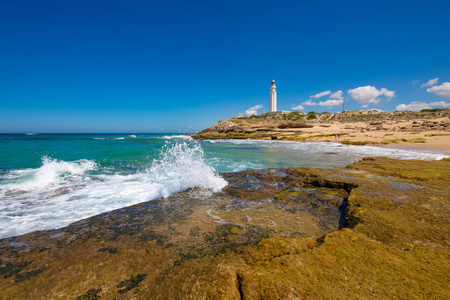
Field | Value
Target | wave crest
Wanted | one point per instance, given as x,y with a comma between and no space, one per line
177,137
60,192
181,166
51,172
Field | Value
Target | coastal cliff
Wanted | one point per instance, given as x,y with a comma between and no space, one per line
378,228
352,127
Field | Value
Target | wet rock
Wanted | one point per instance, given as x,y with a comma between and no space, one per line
131,283
282,234
92,294
10,268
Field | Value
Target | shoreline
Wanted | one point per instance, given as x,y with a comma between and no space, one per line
415,147
413,129
401,145
427,140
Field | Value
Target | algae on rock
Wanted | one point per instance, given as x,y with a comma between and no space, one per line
379,227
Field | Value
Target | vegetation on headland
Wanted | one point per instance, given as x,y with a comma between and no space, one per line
298,126
393,243
356,115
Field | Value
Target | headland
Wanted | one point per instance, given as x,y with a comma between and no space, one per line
428,128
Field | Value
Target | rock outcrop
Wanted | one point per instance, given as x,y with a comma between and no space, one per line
379,228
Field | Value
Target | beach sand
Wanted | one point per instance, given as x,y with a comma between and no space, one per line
353,133
410,129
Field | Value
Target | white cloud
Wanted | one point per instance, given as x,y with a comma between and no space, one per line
431,82
309,102
442,90
365,105
413,106
369,94
298,107
414,82
253,110
440,103
416,105
330,103
336,95
321,94
389,94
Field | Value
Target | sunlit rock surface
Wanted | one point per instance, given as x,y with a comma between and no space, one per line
377,228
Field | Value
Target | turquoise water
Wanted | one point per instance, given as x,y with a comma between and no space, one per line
50,180
26,151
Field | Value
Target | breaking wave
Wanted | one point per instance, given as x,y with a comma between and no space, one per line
60,192
177,137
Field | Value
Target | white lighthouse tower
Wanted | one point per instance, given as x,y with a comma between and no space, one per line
273,97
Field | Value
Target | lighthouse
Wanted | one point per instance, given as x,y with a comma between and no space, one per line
273,97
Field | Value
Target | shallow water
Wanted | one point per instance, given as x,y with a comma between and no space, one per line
48,181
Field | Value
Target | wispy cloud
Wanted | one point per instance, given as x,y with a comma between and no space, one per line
253,110
321,94
335,95
431,82
369,94
442,90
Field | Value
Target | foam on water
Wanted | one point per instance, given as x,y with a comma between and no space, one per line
109,138
177,137
233,165
340,149
60,192
51,173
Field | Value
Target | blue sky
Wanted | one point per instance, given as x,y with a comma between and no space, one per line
180,66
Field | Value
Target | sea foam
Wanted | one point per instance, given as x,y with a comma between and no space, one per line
52,172
347,150
177,137
59,192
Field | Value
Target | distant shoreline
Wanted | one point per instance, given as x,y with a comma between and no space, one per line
426,129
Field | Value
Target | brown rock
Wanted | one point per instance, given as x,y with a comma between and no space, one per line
295,125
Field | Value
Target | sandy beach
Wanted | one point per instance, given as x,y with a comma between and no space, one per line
407,129
355,133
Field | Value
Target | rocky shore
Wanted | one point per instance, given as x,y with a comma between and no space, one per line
378,228
429,128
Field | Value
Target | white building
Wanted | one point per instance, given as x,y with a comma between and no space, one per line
273,97
273,102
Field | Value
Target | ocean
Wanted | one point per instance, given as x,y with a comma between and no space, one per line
48,181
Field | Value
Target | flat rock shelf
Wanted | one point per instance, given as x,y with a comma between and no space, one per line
379,227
